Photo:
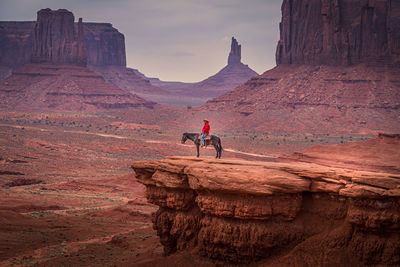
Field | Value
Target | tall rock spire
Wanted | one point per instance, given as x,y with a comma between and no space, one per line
236,52
54,38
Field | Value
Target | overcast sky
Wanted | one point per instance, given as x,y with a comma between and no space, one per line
181,40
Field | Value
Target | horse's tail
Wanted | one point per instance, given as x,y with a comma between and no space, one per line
220,144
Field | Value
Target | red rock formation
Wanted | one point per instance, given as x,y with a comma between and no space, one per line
338,69
232,75
339,32
105,45
37,87
128,80
55,40
15,43
282,213
235,55
316,99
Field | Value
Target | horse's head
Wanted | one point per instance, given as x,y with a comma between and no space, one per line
184,138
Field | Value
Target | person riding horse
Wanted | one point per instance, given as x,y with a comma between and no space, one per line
205,131
214,140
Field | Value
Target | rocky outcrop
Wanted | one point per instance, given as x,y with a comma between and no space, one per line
15,43
49,87
275,213
55,40
338,69
128,80
235,55
339,32
316,99
232,75
105,45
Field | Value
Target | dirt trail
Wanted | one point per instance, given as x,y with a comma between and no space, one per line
150,141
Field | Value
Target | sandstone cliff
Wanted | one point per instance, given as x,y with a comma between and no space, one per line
15,43
338,71
55,40
105,46
58,78
283,213
339,32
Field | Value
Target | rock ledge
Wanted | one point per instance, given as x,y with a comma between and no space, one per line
241,211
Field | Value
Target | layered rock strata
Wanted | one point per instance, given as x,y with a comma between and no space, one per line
337,72
105,45
55,40
36,87
274,213
339,32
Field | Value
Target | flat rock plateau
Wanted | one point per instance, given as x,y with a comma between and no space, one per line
290,212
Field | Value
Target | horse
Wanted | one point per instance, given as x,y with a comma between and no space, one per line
214,140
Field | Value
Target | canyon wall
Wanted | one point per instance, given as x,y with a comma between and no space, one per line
338,69
275,214
105,46
339,32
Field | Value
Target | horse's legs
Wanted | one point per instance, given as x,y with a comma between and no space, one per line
216,149
198,152
219,150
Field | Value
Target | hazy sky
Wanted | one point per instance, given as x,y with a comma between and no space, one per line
182,40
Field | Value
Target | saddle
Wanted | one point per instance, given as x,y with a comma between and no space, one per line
207,140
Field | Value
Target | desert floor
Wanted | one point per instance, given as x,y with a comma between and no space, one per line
69,196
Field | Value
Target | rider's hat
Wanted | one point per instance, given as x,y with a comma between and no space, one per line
206,120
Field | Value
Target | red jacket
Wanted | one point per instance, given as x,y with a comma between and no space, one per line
206,128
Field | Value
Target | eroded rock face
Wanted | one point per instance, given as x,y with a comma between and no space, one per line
55,40
339,32
236,52
298,212
105,45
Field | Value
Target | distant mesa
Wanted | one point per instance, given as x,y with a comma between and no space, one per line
96,45
57,77
102,48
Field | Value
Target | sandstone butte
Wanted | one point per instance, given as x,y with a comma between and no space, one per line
235,73
57,77
103,44
285,213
